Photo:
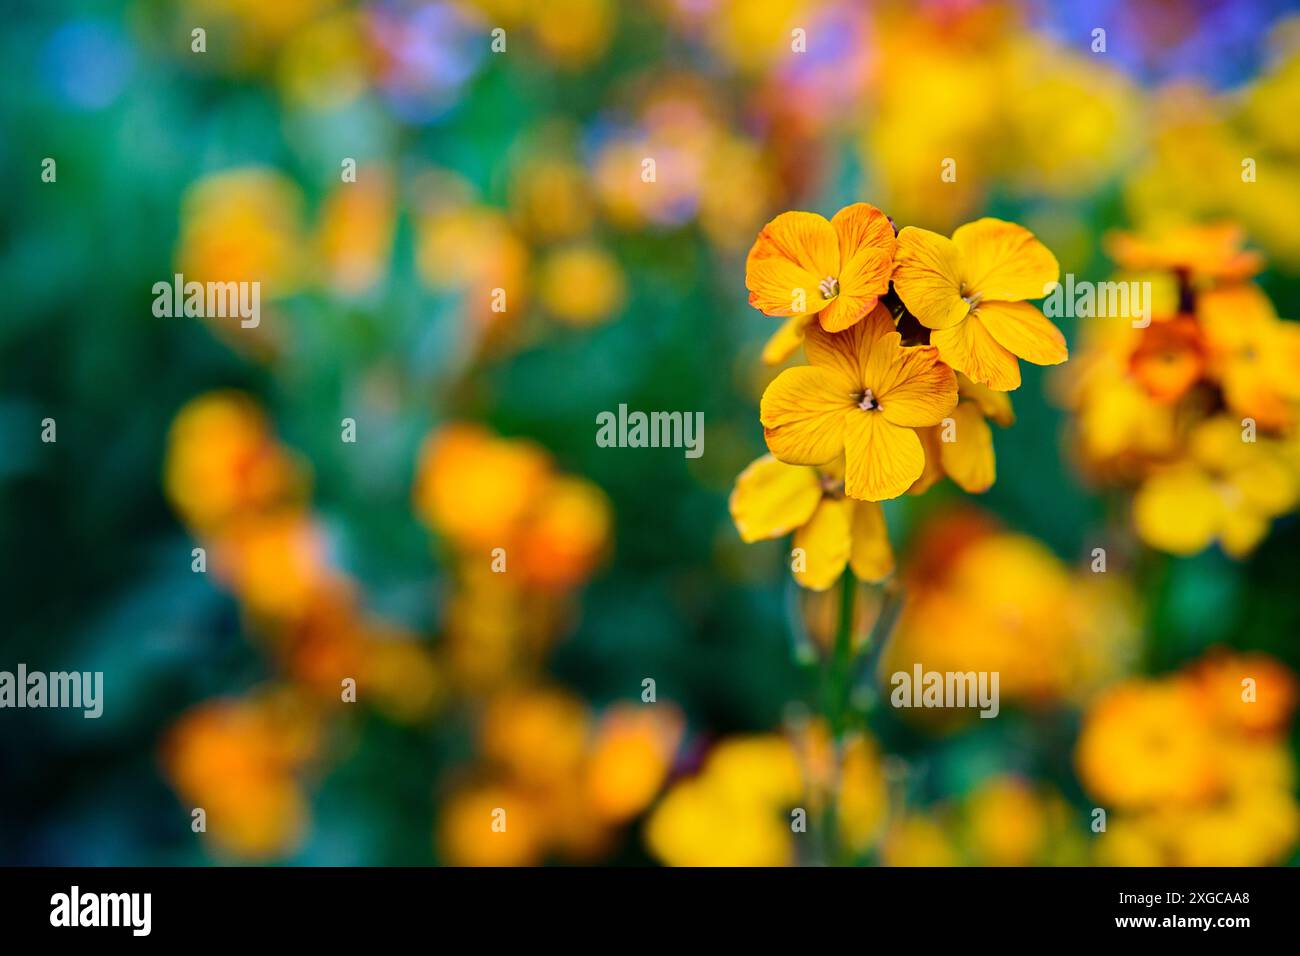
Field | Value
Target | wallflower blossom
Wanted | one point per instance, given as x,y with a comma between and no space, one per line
771,499
863,397
1226,490
802,266
1194,767
970,291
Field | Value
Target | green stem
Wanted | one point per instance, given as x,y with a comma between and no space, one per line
842,658
839,682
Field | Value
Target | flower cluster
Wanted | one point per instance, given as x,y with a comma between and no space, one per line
557,780
1194,769
1196,406
521,536
912,340
754,795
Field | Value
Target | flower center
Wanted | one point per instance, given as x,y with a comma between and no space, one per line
972,298
829,287
868,402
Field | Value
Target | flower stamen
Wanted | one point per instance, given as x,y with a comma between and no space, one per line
868,402
829,287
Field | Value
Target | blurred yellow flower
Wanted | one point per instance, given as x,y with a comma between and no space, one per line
581,285
477,488
1228,489
970,291
862,397
735,812
243,225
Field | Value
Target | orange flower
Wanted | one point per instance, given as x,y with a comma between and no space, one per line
970,291
803,266
1202,252
863,396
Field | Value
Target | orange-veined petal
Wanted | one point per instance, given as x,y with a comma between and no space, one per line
850,354
1004,261
968,347
881,459
867,241
968,459
927,277
1024,331
917,389
791,256
802,412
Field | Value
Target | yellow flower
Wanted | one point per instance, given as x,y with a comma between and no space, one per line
863,397
735,812
970,290
581,285
803,266
1227,489
771,499
243,225
964,450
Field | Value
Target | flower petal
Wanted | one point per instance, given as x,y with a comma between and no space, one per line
1022,330
786,340
881,459
867,241
1003,261
933,464
825,541
802,412
790,257
995,405
1177,511
968,459
871,558
969,348
771,498
852,353
918,389
927,277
